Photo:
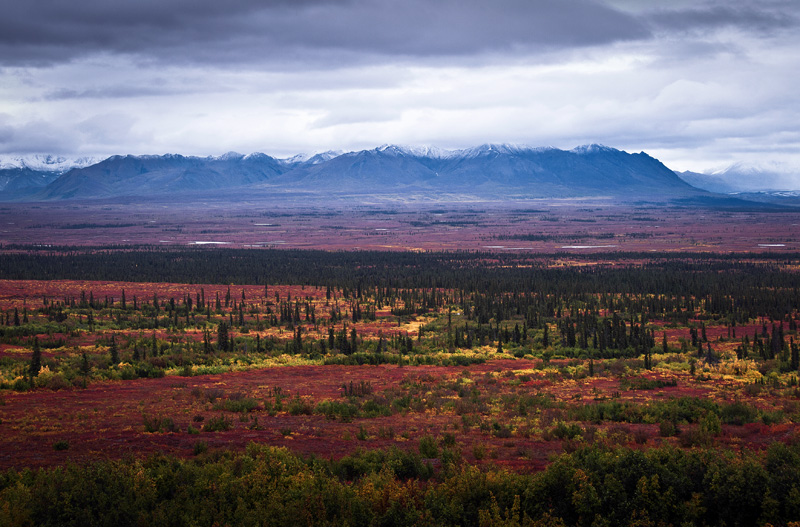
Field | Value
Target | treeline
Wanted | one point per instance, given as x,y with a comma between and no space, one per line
270,486
683,274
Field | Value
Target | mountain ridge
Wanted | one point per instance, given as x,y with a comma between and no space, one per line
495,170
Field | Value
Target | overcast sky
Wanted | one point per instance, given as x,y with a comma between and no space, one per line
698,84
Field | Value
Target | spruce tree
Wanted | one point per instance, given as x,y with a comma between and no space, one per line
36,359
222,336
114,351
85,368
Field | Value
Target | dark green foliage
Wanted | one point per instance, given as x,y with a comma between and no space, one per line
113,351
674,275
156,424
239,404
299,406
428,447
218,424
341,411
36,359
591,486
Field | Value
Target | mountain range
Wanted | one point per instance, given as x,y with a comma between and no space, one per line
491,170
740,178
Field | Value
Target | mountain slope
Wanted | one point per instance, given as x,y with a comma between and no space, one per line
495,170
16,179
739,178
145,175
488,171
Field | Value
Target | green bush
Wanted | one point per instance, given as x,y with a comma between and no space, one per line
563,430
595,485
243,405
344,412
218,424
157,424
200,447
428,447
738,413
710,424
667,429
298,406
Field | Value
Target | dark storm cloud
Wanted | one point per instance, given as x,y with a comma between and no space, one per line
121,92
241,31
755,18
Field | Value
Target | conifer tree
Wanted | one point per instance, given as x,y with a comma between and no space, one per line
36,359
114,351
222,336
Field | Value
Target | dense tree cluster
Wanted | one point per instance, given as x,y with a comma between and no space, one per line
270,486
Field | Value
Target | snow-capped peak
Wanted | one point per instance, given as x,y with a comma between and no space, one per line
229,156
313,159
592,149
495,148
416,151
47,162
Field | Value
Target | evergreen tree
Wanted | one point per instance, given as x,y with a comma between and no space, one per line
114,351
222,336
36,359
85,368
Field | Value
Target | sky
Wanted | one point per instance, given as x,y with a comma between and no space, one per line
698,84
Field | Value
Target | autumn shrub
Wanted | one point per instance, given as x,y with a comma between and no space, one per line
738,413
199,447
771,418
448,439
643,383
363,433
218,424
640,435
243,405
479,451
710,424
374,407
338,410
158,424
594,485
667,429
210,394
428,447
386,432
402,464
562,430
21,385
501,431
53,381
618,435
695,437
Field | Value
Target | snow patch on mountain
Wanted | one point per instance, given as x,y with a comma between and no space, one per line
313,159
593,148
47,162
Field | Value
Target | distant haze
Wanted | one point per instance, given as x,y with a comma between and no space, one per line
700,85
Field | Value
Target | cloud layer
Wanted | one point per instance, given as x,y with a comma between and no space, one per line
698,84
